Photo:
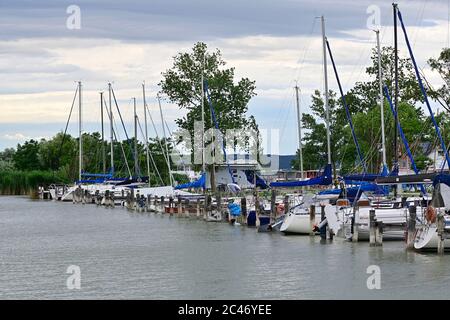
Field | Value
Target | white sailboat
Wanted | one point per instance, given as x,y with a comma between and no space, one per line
297,220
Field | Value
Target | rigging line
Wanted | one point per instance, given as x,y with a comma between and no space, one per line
347,111
149,153
419,21
283,124
439,97
67,125
117,137
156,132
402,135
122,149
422,88
298,72
124,129
299,69
364,53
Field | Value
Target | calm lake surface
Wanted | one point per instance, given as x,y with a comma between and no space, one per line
125,255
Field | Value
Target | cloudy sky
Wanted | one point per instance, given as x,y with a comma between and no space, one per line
274,43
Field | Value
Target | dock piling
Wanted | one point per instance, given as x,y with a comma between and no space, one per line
411,229
312,219
441,233
355,226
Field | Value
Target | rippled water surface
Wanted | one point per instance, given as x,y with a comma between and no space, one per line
147,256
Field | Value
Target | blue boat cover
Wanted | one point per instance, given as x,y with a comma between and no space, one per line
322,180
260,182
353,193
442,178
197,184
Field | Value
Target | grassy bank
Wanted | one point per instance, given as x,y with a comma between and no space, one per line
25,182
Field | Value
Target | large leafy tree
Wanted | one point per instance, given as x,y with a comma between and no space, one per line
26,156
182,85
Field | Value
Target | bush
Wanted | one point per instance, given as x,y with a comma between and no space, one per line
25,182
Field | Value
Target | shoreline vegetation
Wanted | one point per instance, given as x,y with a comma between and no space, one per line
16,182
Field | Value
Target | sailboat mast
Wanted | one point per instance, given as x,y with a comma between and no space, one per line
80,158
203,117
396,153
103,134
146,133
136,162
325,75
166,142
112,129
299,123
380,77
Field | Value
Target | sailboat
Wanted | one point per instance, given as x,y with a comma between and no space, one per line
297,220
93,185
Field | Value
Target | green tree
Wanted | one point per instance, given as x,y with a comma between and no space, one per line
7,159
182,86
26,156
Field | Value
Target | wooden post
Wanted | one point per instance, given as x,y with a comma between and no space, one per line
273,208
372,228
379,233
187,208
207,206
171,208
244,209
312,219
441,233
132,199
155,204
219,204
286,204
162,205
179,205
355,231
323,230
411,231
113,204
136,201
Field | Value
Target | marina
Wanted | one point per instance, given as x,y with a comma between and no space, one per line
174,188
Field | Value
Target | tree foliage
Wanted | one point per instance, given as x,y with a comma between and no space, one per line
182,85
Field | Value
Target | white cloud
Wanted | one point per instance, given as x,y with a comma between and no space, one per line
20,137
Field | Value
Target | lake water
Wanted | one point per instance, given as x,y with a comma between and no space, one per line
148,256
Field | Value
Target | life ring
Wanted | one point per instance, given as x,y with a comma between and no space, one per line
430,214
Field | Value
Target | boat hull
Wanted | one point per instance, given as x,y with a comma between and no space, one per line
298,224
